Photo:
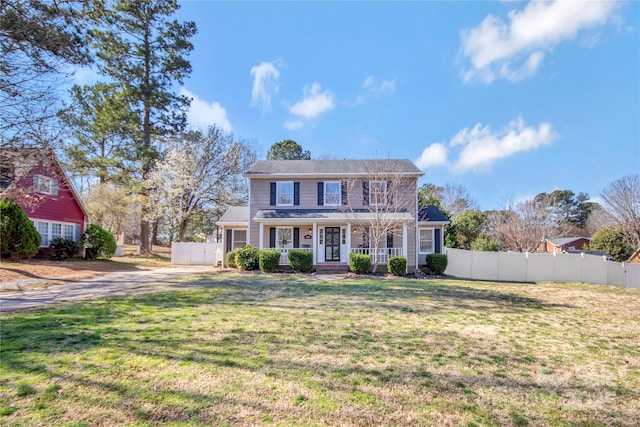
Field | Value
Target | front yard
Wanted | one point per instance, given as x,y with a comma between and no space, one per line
244,349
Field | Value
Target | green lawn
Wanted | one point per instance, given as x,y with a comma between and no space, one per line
239,349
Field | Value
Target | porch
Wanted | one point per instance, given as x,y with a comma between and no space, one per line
381,255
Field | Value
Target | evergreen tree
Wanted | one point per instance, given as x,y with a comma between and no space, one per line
143,53
287,150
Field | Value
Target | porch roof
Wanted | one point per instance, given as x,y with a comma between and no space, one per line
326,215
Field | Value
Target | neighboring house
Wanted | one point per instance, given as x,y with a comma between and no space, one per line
36,181
596,252
635,257
329,207
565,244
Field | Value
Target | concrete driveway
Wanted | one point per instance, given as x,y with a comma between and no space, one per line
119,283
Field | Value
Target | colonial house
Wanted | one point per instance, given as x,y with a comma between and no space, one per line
36,181
333,208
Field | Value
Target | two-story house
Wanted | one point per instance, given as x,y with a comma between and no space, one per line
333,208
36,181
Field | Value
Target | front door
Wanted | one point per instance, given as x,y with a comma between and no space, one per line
332,244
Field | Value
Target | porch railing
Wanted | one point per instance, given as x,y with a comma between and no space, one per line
381,255
284,254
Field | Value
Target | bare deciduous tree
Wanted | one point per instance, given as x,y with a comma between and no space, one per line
200,171
380,202
622,198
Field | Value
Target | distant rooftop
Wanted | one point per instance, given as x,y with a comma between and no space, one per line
333,167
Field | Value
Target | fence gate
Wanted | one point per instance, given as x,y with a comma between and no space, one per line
192,253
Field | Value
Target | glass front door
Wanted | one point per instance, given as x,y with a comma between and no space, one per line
332,244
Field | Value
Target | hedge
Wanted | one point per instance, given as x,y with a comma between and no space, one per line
301,261
231,259
359,263
63,248
269,260
247,257
99,243
436,263
18,235
398,265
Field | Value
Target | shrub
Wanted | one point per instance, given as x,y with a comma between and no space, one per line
485,243
247,257
269,260
231,259
398,265
99,243
301,261
613,241
63,248
359,263
436,263
18,235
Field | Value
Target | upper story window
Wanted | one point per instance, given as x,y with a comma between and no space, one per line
377,193
6,175
45,185
284,193
332,193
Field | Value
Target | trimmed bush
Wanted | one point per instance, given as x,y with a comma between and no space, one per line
269,260
63,248
231,259
359,263
398,265
99,243
437,263
301,261
247,257
18,235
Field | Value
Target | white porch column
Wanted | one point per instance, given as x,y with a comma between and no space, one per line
314,243
405,246
261,234
348,240
224,247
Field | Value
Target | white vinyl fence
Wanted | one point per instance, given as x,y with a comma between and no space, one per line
538,267
192,253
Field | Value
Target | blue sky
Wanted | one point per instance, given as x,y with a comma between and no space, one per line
508,99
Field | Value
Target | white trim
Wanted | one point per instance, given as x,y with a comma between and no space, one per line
384,192
405,245
49,223
433,241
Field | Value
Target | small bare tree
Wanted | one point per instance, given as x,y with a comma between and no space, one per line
520,226
622,198
379,202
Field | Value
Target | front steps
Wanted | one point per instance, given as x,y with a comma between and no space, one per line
332,268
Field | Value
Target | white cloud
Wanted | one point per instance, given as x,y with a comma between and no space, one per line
432,156
202,114
294,124
482,147
375,89
515,50
314,103
265,84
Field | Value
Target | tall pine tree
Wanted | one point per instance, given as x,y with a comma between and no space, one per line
143,52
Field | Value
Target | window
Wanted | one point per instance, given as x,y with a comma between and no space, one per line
284,194
377,193
332,193
68,231
43,229
239,239
6,176
50,230
45,185
284,237
426,240
56,230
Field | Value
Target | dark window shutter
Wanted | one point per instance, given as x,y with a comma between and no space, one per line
436,243
229,231
296,193
272,237
389,239
321,194
365,193
343,189
272,195
296,237
389,193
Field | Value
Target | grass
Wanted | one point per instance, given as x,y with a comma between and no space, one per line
237,349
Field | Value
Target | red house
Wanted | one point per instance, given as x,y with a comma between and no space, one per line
35,180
